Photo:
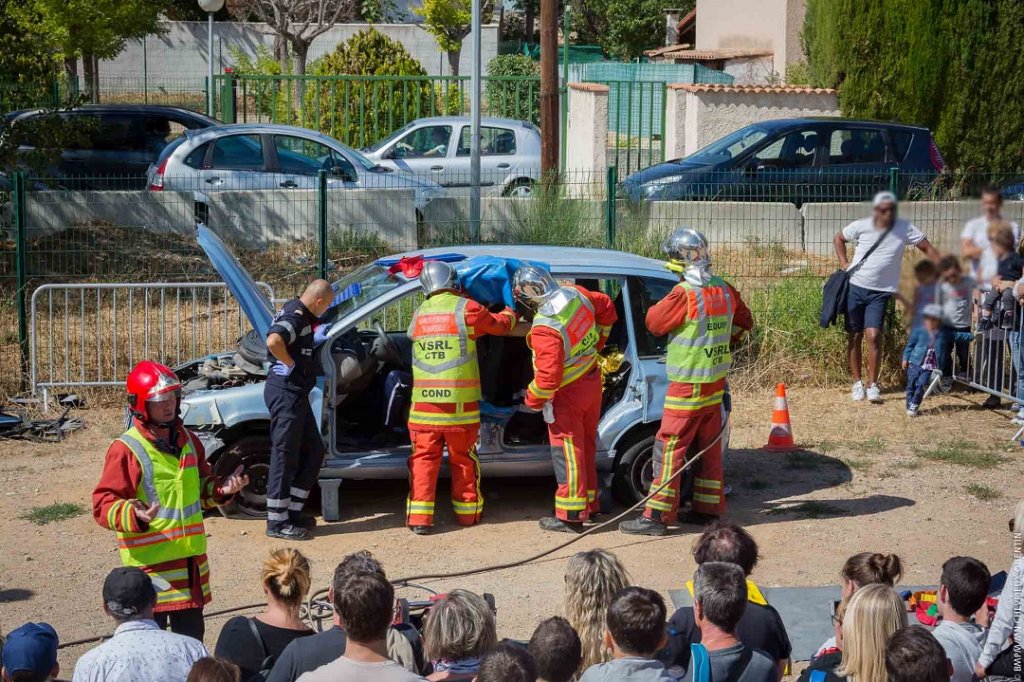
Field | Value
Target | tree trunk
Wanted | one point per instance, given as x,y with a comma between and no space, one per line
301,49
549,123
71,74
528,19
453,60
89,76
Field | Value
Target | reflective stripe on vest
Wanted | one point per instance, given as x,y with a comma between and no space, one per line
698,351
444,367
177,530
578,329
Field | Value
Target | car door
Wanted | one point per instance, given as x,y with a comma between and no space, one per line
857,163
236,162
782,168
424,152
297,162
497,154
651,382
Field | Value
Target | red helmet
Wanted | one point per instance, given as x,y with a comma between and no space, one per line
151,381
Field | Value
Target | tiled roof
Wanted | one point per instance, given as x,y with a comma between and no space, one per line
685,22
681,52
754,89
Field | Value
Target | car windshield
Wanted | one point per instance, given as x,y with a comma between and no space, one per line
357,156
730,146
359,287
387,140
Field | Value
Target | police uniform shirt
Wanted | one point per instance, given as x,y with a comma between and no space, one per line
294,324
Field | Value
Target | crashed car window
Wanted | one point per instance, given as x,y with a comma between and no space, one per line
359,287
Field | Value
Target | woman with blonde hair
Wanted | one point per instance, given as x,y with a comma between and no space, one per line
591,581
253,644
873,613
458,631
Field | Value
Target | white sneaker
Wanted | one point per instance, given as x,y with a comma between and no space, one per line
912,411
858,391
874,394
1018,419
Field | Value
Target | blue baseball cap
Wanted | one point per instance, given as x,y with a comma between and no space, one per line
33,648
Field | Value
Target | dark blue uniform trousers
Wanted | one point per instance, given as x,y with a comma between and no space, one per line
296,454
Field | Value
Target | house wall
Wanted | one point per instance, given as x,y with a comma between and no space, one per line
771,25
695,119
180,54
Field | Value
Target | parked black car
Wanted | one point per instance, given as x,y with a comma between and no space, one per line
796,160
119,142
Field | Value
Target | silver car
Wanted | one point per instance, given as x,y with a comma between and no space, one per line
272,157
367,360
437,149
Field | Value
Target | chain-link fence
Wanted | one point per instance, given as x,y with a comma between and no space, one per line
772,237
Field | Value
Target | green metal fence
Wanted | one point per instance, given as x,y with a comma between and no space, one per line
771,238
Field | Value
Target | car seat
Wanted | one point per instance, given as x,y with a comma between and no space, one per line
504,143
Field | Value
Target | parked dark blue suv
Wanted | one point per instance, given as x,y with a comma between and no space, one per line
796,160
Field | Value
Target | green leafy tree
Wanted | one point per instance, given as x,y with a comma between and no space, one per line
449,22
624,28
953,67
513,87
28,65
360,111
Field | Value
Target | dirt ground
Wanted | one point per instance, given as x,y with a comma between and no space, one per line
867,478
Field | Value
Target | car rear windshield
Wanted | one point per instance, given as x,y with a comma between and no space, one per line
169,149
359,287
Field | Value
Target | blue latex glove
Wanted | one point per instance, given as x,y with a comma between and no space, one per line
281,369
320,334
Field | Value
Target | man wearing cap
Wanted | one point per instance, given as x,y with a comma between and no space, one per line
874,279
30,654
139,649
154,488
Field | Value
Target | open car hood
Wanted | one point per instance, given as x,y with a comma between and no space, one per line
254,303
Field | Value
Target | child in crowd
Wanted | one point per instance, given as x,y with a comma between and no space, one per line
1009,269
963,589
556,648
635,632
956,296
927,290
921,356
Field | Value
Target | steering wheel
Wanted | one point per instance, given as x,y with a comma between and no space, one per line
389,349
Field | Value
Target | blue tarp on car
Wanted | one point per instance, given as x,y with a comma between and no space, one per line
488,279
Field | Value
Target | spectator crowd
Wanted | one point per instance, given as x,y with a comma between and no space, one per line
610,630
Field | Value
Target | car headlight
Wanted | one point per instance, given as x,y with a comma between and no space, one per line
655,188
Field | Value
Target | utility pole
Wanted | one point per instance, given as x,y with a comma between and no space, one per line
549,123
474,143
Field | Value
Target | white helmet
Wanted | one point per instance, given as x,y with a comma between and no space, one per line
688,249
532,286
437,276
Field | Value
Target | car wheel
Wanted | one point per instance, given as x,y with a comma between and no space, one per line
521,188
634,472
202,213
253,453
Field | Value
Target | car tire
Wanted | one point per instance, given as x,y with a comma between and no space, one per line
634,472
521,189
252,348
253,453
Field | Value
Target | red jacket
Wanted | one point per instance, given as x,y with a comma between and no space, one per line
118,484
549,350
483,322
670,312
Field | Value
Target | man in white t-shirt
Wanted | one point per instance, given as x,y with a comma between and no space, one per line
974,244
873,282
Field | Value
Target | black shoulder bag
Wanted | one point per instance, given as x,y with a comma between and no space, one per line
268,661
837,287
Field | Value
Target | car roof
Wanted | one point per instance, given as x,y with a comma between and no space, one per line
123,108
784,123
564,258
256,129
485,120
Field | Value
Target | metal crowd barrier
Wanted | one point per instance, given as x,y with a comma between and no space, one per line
995,358
92,334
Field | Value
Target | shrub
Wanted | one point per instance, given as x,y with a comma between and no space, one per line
360,111
508,92
270,97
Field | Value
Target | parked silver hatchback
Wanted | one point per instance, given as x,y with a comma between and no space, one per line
437,149
272,157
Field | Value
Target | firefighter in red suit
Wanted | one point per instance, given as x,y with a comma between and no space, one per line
154,488
703,316
445,408
570,326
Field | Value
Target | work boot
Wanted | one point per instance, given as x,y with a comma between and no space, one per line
992,402
305,521
556,525
696,518
643,526
288,532
420,530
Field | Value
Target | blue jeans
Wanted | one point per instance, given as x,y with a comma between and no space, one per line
917,384
1017,355
959,343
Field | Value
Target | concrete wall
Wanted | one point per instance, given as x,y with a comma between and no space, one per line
179,55
587,128
771,25
734,223
695,116
751,70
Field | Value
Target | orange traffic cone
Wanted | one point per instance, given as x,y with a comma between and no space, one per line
781,437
